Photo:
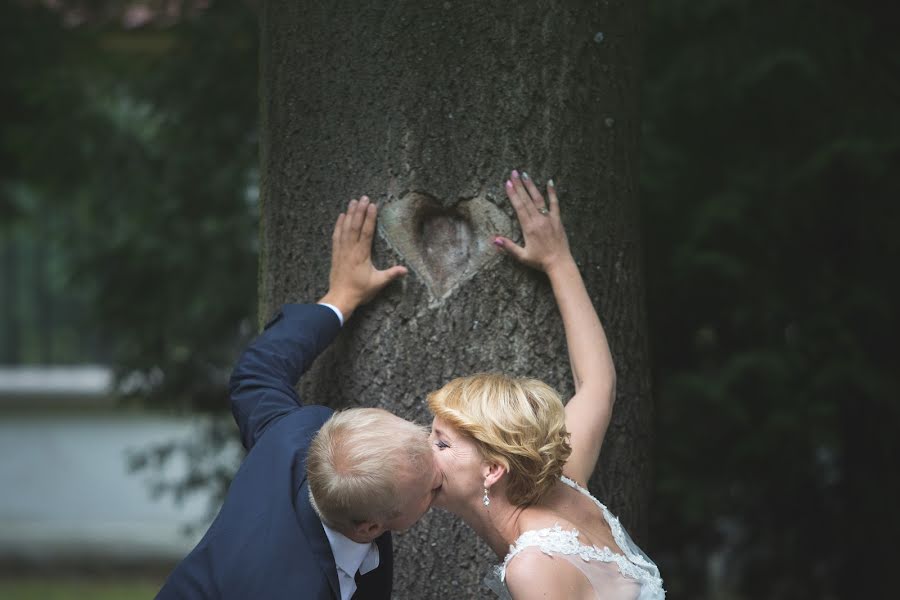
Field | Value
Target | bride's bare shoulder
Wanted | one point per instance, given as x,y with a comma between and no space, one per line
532,574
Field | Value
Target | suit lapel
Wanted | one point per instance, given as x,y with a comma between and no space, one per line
315,535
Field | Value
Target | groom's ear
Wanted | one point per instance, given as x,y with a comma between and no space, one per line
367,531
492,473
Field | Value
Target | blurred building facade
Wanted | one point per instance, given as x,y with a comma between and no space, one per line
68,494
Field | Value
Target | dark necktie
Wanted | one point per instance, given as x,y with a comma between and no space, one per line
358,579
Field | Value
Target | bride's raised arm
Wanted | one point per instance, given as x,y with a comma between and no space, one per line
547,249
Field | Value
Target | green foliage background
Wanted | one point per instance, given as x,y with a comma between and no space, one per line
771,143
129,160
770,208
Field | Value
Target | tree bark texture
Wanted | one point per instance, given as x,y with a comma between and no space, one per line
426,107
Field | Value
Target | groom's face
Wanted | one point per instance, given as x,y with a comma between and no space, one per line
416,491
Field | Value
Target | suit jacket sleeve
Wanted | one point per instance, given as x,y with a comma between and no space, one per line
263,380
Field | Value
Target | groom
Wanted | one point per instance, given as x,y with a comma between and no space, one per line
309,513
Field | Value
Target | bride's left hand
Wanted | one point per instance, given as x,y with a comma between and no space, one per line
546,245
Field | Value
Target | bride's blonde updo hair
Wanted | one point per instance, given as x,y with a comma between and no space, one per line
517,423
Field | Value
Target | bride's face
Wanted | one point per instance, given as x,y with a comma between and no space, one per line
461,466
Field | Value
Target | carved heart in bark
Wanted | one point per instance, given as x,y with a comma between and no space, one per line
443,245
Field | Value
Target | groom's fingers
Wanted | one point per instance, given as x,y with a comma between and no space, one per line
358,216
338,228
392,273
348,221
381,279
368,227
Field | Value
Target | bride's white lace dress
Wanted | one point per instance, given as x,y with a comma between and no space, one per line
627,576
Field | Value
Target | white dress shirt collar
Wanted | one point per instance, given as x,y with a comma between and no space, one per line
350,557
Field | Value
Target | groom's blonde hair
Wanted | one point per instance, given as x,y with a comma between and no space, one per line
356,461
517,423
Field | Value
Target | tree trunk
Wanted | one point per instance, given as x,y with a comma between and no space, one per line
425,107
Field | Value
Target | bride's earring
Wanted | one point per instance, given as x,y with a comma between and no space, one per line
486,499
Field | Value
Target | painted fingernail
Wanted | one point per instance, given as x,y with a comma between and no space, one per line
515,174
498,242
524,175
509,183
550,183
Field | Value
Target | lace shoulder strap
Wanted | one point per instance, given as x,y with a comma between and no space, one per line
574,485
623,540
556,540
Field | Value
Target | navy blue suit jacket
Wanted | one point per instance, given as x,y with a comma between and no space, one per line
266,541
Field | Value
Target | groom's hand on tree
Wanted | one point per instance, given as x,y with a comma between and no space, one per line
354,280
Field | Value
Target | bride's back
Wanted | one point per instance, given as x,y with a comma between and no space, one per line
570,509
571,539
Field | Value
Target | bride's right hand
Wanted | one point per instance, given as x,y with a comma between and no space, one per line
546,245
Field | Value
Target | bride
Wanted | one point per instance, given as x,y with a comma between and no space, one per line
515,461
